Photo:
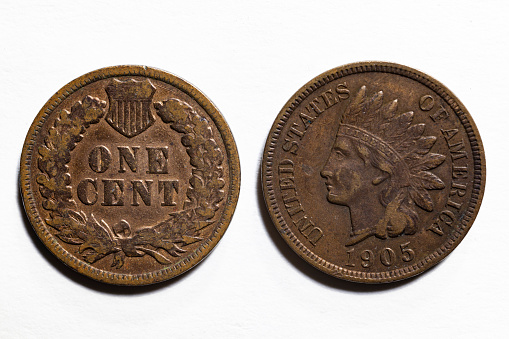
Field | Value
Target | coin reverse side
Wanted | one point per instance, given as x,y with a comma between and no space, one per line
373,172
129,175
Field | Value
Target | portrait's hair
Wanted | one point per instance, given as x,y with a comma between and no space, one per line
390,142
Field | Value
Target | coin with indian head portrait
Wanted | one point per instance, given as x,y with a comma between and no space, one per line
129,175
373,172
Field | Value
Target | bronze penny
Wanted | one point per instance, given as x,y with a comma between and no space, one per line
130,175
373,172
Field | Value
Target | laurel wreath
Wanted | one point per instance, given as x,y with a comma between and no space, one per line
96,239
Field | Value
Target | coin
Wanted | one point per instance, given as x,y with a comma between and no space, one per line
130,175
373,172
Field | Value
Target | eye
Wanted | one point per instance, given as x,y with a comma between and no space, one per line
341,152
338,152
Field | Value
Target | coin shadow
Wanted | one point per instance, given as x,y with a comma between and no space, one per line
83,280
308,269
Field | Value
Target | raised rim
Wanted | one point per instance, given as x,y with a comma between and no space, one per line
81,266
453,240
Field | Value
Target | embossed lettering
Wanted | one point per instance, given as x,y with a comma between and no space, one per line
459,172
458,189
449,133
99,159
157,160
456,148
82,191
342,91
143,191
127,155
329,98
453,204
292,203
113,192
313,105
387,256
349,260
436,228
445,218
313,109
426,102
286,166
170,189
440,114
295,131
286,183
407,253
303,223
367,258
306,120
313,234
291,146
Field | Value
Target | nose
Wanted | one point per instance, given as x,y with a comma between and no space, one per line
326,172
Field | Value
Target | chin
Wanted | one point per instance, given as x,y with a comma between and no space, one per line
335,199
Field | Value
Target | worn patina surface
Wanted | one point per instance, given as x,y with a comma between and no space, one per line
130,175
373,172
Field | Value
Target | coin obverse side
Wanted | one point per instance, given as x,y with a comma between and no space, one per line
129,175
373,172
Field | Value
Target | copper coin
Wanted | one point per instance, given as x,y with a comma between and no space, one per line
373,172
129,175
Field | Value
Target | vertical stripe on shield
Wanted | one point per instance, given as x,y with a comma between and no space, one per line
130,117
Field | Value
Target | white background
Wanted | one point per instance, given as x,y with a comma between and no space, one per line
249,57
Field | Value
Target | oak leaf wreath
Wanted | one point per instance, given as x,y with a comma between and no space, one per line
95,238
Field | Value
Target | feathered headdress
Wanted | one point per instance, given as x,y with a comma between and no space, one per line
402,144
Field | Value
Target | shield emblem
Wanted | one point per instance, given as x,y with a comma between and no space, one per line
130,106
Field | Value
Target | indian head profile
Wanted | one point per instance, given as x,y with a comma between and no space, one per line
379,168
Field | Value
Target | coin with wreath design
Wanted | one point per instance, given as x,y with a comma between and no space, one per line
373,172
130,175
